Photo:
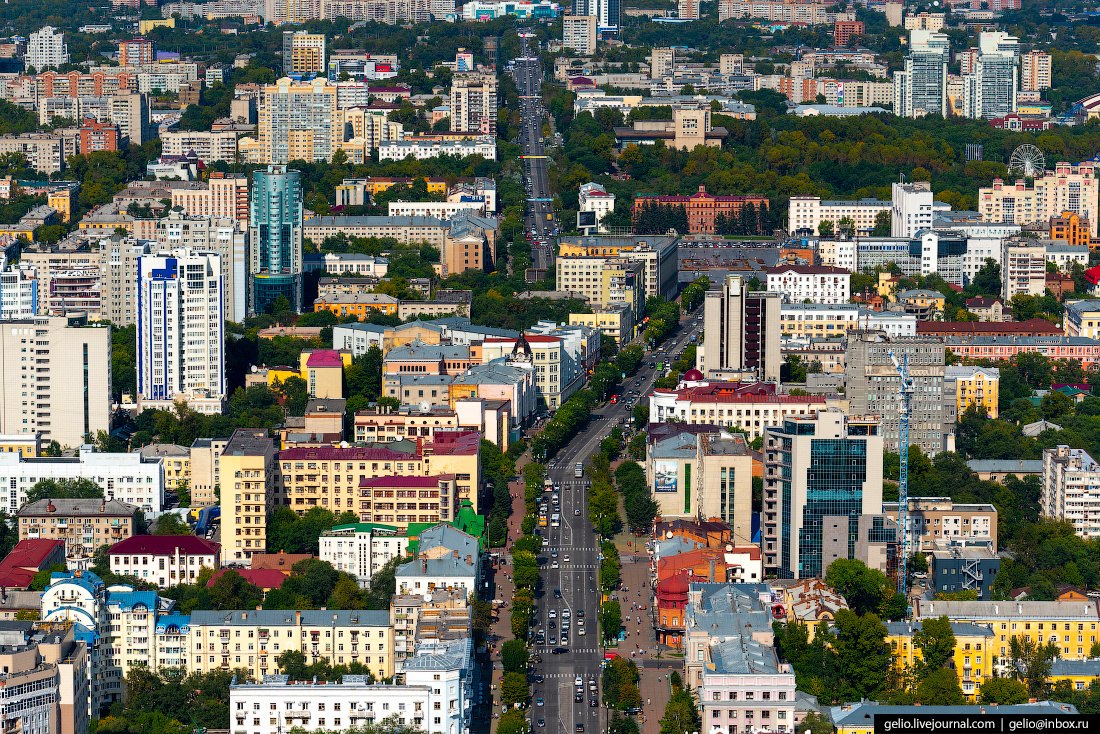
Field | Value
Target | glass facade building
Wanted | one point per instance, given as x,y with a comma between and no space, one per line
275,239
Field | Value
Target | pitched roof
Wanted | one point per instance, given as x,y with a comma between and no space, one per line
165,545
986,328
324,358
70,507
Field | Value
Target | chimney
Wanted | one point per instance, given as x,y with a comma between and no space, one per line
50,506
298,617
102,506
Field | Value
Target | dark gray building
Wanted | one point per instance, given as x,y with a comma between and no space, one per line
964,565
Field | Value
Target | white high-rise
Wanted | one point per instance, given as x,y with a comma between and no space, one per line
922,88
46,48
180,331
474,103
991,90
18,293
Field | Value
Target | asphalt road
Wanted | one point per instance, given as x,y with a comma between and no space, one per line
538,221
571,568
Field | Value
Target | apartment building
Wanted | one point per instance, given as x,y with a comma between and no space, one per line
828,450
744,327
833,321
84,525
164,560
972,386
473,103
423,149
972,657
73,401
18,293
225,196
209,146
180,331
1069,188
176,461
247,471
816,284
1070,481
303,53
935,520
363,480
224,236
1035,71
125,477
206,470
578,33
253,640
1004,348
603,282
657,252
45,152
46,48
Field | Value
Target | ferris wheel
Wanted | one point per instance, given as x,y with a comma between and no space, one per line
1027,161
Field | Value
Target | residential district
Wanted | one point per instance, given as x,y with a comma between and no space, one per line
509,366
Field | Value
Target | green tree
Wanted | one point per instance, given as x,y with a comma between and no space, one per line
171,524
814,723
514,689
60,489
513,722
1002,691
940,688
1031,662
865,589
861,652
611,619
936,642
514,655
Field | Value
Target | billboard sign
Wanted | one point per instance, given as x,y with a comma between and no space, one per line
664,476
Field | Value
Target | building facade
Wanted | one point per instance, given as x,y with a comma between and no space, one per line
275,239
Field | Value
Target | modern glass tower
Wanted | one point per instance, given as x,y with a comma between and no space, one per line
275,239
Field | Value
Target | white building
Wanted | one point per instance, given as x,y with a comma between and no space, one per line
46,48
473,103
124,477
362,549
164,560
912,208
816,284
340,263
437,209
824,321
991,90
808,212
223,235
181,331
723,405
1023,269
1071,489
482,145
594,198
447,558
18,293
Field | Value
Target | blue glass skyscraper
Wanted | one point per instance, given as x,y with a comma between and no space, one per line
275,239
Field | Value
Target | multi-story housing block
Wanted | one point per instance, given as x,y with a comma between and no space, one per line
247,470
1071,489
164,560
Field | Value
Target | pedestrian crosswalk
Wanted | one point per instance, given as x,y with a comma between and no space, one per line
580,650
565,549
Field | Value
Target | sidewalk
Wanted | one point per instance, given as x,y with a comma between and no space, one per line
641,638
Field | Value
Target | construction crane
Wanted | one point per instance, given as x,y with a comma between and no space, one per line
905,410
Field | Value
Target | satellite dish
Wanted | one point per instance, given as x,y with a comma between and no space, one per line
427,597
425,407
729,548
1027,161
668,534
255,369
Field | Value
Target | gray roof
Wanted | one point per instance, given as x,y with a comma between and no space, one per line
70,507
744,656
451,538
864,712
1089,666
418,351
491,373
982,610
288,618
445,566
1034,429
326,405
728,609
441,655
1010,466
159,450
680,446
406,380
248,442
669,547
1091,304
959,628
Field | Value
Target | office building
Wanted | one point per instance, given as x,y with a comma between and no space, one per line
1070,481
18,293
741,331
275,239
247,475
659,253
608,13
937,520
578,33
303,53
473,103
1068,188
807,213
818,466
921,89
872,386
990,91
65,393
181,332
46,49
964,566
1035,71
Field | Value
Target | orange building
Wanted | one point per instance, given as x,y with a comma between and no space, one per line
845,30
96,135
1073,229
359,305
702,209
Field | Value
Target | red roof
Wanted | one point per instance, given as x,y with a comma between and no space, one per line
350,453
1031,327
404,481
456,442
31,553
1092,275
808,270
165,545
324,358
264,578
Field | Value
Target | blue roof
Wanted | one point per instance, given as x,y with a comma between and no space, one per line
87,579
128,600
180,621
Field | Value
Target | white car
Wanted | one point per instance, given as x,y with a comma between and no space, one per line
553,614
580,631
554,564
566,559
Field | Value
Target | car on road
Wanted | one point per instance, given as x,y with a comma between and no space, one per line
539,701
576,512
593,703
554,564
559,651
579,697
553,614
557,593
580,631
566,559
553,625
540,678
580,728
580,614
542,723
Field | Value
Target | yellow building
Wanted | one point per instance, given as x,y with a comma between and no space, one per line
176,461
62,201
974,386
255,639
887,284
247,474
973,659
925,303
331,477
1071,625
27,445
145,26
323,371
1079,674
359,305
615,322
16,231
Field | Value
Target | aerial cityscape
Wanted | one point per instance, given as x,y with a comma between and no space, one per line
527,367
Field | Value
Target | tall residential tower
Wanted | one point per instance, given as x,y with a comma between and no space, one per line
275,239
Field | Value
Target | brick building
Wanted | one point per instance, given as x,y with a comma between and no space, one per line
702,209
96,135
